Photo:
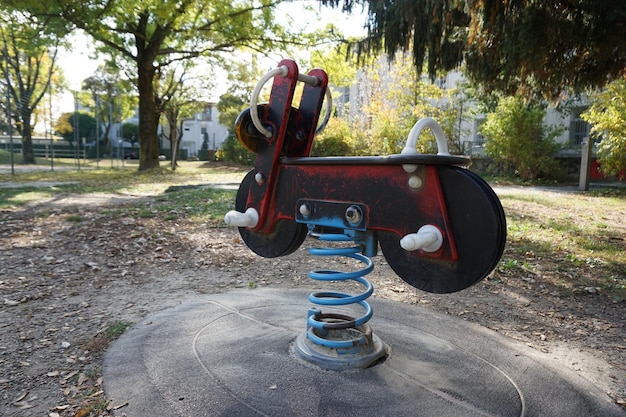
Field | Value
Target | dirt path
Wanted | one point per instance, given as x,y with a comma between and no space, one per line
72,274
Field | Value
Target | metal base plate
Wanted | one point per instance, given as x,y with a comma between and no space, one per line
231,354
332,359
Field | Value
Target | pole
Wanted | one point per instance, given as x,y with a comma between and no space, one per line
6,76
120,131
97,133
585,164
49,129
109,129
76,133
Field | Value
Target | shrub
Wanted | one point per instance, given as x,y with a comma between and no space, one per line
517,139
233,151
607,116
336,139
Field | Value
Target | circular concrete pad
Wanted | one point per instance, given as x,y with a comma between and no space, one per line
232,355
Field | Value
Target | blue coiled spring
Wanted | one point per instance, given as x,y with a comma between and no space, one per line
320,325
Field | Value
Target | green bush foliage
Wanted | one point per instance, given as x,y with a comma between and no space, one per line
607,116
337,139
233,151
518,140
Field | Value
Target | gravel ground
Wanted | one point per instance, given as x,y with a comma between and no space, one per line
73,275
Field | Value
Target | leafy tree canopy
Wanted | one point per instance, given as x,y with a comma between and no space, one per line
538,47
130,132
396,98
607,115
85,123
149,35
27,65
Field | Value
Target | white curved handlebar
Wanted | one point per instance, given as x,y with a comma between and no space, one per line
329,109
440,137
254,113
283,71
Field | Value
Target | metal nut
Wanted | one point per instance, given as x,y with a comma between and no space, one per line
305,210
354,214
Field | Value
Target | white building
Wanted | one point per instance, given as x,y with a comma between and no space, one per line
351,99
575,129
203,127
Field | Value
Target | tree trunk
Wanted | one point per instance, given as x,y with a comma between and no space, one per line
174,142
105,138
173,159
148,120
28,155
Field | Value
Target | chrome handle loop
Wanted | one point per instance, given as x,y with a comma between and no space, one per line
254,113
283,71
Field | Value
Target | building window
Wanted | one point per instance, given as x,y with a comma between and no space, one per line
478,138
346,95
578,128
476,144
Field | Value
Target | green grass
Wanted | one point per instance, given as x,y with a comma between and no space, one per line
5,159
117,329
203,202
577,239
74,218
123,180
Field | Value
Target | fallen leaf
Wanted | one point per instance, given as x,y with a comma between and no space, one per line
68,376
21,397
117,407
25,405
11,303
81,379
83,412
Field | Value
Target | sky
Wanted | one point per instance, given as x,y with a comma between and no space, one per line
79,63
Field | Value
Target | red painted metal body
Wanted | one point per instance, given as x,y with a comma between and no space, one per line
292,133
381,184
398,194
383,188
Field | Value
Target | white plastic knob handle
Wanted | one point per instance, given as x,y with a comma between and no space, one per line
236,218
428,239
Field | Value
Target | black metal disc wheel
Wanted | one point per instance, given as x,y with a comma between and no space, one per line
478,225
286,237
